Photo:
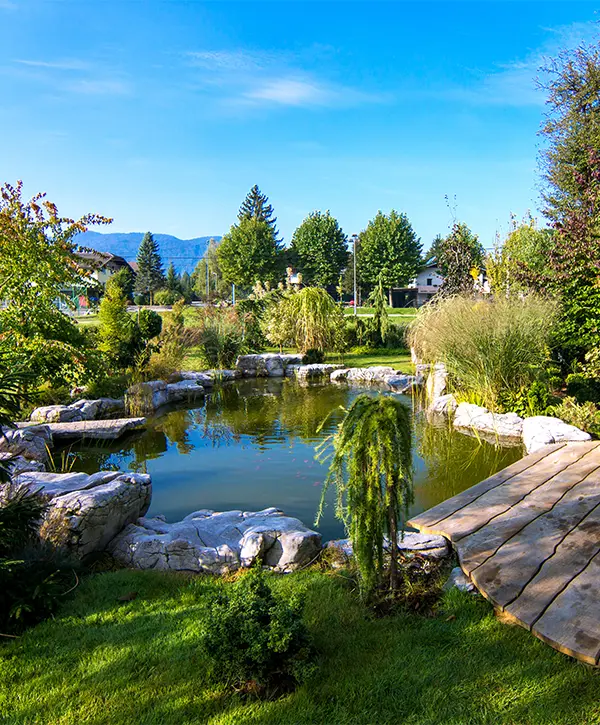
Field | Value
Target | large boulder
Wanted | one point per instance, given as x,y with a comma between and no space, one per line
18,464
202,378
149,397
373,374
271,365
184,390
211,542
86,519
401,383
340,376
473,418
56,414
436,382
315,371
541,430
31,443
444,405
96,429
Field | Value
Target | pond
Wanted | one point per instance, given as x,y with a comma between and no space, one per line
251,444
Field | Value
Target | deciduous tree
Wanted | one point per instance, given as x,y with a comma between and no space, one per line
389,249
459,254
319,249
249,252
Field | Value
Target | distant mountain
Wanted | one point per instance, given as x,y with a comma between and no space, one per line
184,253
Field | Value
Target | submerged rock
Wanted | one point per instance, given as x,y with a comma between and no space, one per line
541,430
211,542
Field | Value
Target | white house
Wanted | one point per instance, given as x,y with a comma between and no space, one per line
421,289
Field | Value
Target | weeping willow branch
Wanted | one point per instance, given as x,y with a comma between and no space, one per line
371,469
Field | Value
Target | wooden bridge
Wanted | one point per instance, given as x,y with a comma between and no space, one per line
529,539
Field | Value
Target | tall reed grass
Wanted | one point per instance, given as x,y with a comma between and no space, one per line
492,348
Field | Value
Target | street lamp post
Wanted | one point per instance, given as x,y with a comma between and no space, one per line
354,238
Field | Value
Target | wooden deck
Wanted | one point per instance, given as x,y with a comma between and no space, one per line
529,539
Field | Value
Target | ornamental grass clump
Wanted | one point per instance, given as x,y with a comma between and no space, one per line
494,349
371,469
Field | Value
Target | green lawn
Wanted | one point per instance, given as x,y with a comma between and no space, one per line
139,663
398,359
396,314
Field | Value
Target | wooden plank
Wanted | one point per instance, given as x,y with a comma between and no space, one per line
571,557
475,548
503,576
432,516
480,512
571,623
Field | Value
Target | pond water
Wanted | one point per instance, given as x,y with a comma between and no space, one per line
251,444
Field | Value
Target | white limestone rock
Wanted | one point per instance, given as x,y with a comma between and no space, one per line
373,374
541,430
427,545
211,542
57,484
459,580
96,429
272,365
31,443
18,464
56,414
86,520
339,376
401,383
201,378
315,371
470,417
444,405
436,382
184,390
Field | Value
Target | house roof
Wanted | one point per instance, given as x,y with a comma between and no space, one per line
92,259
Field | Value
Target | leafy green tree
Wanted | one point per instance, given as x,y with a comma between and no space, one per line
389,249
521,263
371,469
124,278
150,277
172,280
117,330
249,252
187,287
208,276
256,206
571,167
319,247
459,255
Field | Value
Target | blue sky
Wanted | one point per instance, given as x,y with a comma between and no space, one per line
163,114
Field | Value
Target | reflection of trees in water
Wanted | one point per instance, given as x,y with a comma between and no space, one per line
175,426
454,461
271,411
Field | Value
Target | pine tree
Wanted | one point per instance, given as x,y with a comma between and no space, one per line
173,281
150,275
256,206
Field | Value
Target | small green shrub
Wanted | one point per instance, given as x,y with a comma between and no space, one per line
149,324
218,335
313,356
256,640
113,386
166,297
32,574
583,415
527,401
583,388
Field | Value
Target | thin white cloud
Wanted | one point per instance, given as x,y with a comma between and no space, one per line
67,65
261,78
99,87
515,83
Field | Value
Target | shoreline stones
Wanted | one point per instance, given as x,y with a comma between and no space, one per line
266,365
78,411
217,542
31,444
430,546
541,430
149,397
505,426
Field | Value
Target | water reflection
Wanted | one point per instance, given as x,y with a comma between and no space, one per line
251,444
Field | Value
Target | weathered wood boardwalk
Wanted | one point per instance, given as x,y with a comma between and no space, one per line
529,539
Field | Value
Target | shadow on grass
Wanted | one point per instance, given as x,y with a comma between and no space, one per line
140,662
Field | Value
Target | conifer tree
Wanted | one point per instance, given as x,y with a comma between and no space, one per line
172,282
150,275
256,206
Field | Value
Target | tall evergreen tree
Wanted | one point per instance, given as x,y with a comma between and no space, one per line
173,283
150,275
256,206
319,248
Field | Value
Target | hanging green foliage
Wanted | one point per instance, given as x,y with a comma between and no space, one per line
371,469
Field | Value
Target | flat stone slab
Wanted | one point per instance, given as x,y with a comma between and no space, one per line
95,429
529,539
217,542
542,430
